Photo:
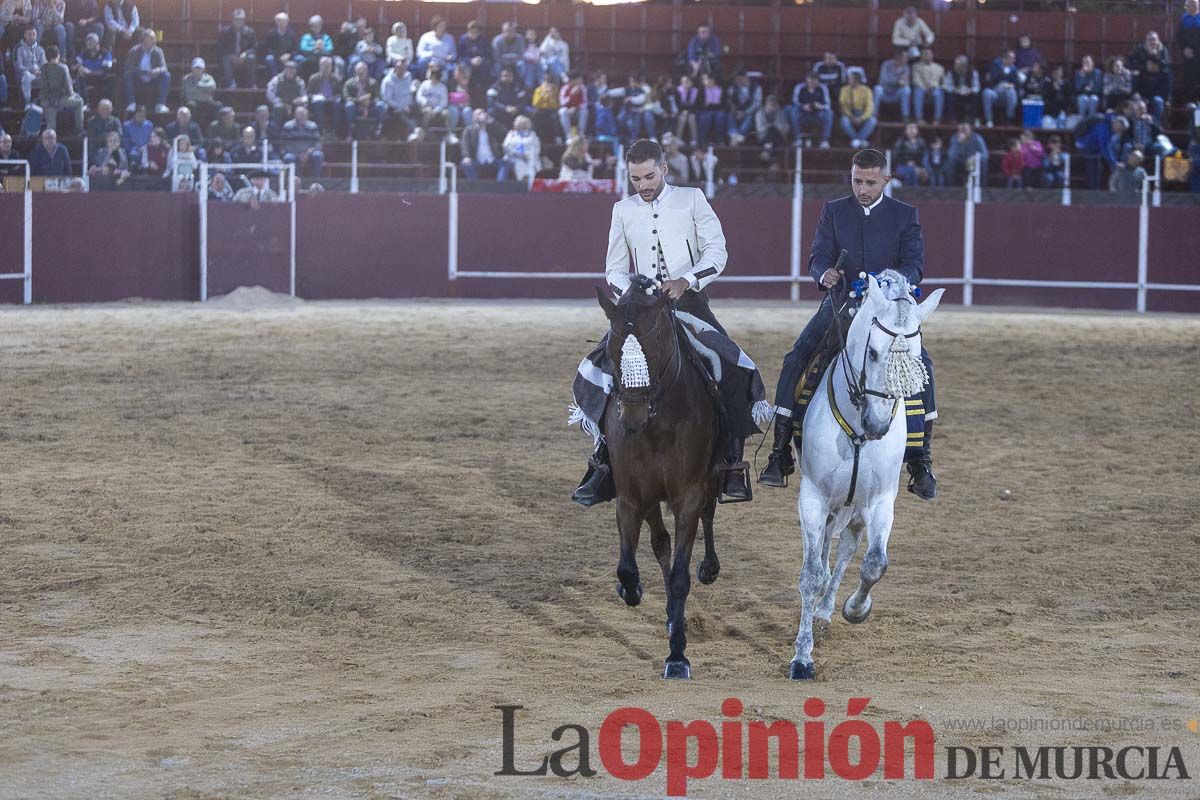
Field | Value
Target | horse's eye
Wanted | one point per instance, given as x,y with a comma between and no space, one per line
874,354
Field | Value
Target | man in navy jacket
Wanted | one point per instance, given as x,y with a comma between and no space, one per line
48,157
877,233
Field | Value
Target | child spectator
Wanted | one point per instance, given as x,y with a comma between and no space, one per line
577,165
910,158
369,52
58,92
155,154
399,46
1032,155
1128,177
545,110
1054,174
937,158
1012,164
556,55
573,104
773,127
1089,87
522,149
711,118
689,104
531,60
136,134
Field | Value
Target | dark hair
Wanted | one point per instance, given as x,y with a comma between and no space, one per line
869,159
51,52
644,150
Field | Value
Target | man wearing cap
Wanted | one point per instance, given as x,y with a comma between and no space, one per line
146,66
670,233
284,90
235,46
258,192
198,90
877,233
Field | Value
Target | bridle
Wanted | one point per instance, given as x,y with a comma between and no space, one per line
652,394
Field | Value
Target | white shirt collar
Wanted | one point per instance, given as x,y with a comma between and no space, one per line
868,209
656,201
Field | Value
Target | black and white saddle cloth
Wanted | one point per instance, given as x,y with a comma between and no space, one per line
720,355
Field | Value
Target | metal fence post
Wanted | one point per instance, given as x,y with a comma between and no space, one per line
797,221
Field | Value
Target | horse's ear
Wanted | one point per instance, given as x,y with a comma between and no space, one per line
930,305
875,295
610,308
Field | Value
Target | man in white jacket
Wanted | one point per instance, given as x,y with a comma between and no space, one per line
670,234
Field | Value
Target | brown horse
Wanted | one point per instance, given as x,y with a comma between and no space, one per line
662,433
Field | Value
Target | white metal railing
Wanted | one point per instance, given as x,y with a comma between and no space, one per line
26,274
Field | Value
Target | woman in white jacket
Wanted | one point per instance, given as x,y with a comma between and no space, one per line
399,47
556,55
523,149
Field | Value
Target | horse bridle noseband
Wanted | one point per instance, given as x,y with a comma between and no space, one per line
857,384
653,393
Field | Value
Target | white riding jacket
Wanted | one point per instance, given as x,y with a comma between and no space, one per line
676,235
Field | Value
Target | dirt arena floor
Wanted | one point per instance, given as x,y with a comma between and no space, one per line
261,550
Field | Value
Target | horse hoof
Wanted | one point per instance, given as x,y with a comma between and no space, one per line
677,671
800,671
707,573
850,617
631,599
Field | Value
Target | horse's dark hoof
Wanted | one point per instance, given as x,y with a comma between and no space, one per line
706,572
631,599
677,671
850,617
801,672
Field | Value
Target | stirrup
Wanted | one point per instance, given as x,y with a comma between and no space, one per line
742,467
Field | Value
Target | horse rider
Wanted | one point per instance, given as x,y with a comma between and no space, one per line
670,234
877,232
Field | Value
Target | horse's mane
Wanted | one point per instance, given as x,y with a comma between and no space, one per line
642,291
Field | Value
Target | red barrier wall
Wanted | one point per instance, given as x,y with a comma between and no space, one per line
115,246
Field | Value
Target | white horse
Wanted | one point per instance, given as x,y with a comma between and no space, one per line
852,452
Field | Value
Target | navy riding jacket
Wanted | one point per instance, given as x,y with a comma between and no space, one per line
889,237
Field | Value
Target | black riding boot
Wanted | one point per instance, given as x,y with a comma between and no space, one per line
735,475
922,482
780,462
597,485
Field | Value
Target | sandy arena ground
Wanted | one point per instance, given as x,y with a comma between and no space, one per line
261,550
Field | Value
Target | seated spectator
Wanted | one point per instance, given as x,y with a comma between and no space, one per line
258,192
711,118
927,79
605,125
507,99
198,90
965,144
94,69
1098,139
832,74
460,99
249,150
681,167
399,98
217,156
910,157
482,152
531,60
811,109
1189,27
1151,49
1032,156
744,101
146,71
369,52
1143,131
910,34
573,104
29,59
7,153
858,109
136,135
1118,83
399,47
475,51
184,125
635,117
523,150
223,129
597,90
48,157
1011,164
1056,94
314,44
265,127
508,50
112,150
1026,55
689,106
48,18
284,90
1002,83
324,92
156,153
279,46
577,164
1153,83
1089,87
346,42
556,55
219,190
102,122
58,92
962,90
107,176
435,46
1129,175
433,105
545,111
937,162
1054,167
360,100
773,126
121,23
893,86
236,46
663,104
182,161
704,53
91,20
1189,73
301,144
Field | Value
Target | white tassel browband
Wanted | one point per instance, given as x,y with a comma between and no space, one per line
906,374
635,372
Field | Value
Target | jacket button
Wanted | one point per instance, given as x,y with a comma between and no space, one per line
656,216
652,247
654,231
